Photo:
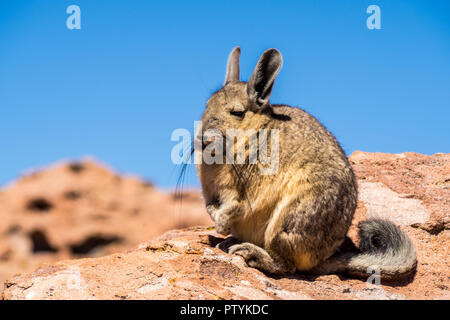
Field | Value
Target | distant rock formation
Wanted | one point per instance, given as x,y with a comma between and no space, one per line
84,209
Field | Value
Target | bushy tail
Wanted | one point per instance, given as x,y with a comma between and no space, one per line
383,246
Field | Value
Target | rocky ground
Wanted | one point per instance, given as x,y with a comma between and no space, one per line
84,209
411,189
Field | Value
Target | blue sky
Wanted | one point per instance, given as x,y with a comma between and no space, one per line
137,70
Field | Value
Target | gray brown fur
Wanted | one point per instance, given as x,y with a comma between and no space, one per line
297,218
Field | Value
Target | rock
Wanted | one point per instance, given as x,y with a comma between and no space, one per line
421,182
185,264
411,189
84,209
382,202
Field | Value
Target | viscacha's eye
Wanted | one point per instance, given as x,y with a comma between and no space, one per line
239,114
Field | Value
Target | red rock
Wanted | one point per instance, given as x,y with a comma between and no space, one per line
184,264
423,179
411,189
84,209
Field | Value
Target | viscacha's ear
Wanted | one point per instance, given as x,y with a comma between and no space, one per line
233,66
259,87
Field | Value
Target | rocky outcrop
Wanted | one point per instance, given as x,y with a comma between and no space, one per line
411,189
84,209
184,264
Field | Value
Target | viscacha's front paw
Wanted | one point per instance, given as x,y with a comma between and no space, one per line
222,229
222,224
